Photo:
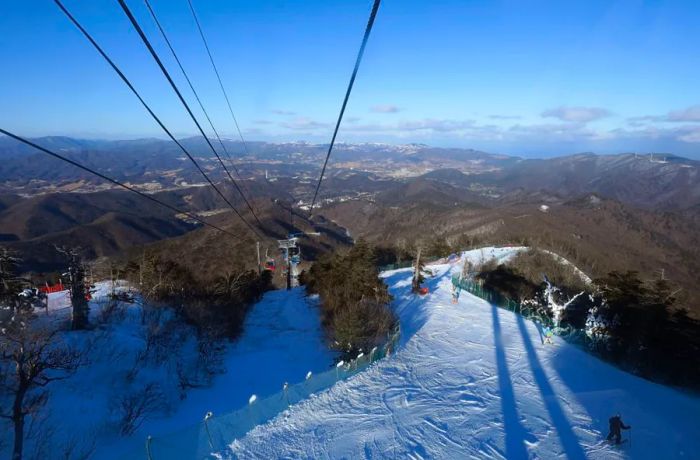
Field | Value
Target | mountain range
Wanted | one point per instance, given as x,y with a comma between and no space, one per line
606,212
662,182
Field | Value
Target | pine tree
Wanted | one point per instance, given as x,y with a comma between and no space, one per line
11,284
78,290
634,323
353,298
8,284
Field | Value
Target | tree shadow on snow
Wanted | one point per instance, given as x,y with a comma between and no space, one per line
568,438
516,435
538,325
664,419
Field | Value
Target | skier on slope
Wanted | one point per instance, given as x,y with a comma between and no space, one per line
616,424
548,334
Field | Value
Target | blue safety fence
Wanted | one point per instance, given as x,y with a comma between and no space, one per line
217,431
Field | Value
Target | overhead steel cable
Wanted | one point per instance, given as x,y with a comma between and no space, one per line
218,77
150,111
368,29
114,181
194,92
165,72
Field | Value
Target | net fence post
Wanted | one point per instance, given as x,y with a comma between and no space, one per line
337,369
148,447
206,427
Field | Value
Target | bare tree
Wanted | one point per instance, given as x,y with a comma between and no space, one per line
467,269
229,286
135,407
79,446
32,358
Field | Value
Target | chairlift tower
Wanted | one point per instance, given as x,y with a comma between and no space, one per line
292,255
286,246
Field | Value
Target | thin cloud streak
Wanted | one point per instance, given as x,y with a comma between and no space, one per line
505,117
577,114
385,108
283,112
304,123
689,114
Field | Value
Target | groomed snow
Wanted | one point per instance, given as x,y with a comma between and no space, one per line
474,381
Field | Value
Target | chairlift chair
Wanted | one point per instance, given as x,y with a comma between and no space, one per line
270,264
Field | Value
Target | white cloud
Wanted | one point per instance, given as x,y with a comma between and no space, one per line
505,117
554,135
283,112
304,123
690,134
435,125
689,114
385,108
577,114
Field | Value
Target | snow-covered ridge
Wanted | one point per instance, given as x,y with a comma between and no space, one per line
585,278
475,381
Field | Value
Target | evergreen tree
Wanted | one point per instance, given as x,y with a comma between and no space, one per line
439,248
11,285
353,298
635,326
78,288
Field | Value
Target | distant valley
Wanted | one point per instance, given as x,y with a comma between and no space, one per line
609,212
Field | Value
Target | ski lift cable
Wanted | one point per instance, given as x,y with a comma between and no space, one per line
368,29
196,95
148,109
165,72
218,77
114,181
194,92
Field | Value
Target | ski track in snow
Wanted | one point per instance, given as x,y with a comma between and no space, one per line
474,381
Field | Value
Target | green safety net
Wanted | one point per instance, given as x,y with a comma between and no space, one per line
218,431
476,288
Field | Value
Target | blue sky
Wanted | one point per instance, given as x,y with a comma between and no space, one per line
532,78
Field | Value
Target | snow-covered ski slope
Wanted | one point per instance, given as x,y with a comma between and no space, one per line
474,381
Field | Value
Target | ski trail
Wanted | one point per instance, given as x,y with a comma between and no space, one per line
472,381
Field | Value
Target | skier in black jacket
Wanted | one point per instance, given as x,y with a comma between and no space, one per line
616,424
